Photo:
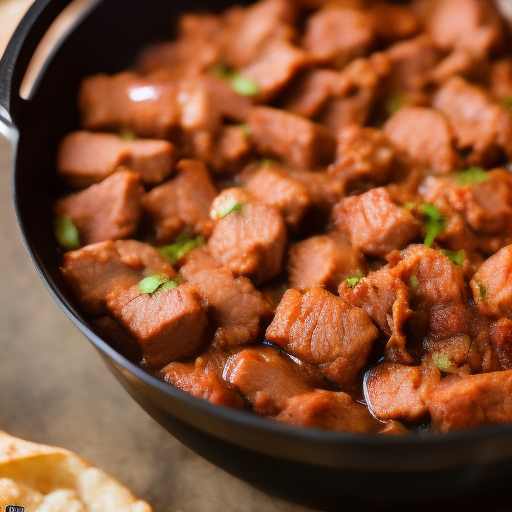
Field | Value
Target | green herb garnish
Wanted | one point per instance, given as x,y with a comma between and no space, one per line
394,103
240,84
409,206
456,257
266,161
483,290
227,207
245,129
470,176
414,281
66,233
152,283
127,134
352,281
442,361
181,246
433,221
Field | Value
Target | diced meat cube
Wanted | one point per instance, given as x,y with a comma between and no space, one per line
374,224
296,140
251,241
501,79
472,402
255,27
492,285
145,105
312,88
226,153
168,324
109,210
319,328
501,340
203,378
411,63
395,391
328,410
181,203
93,271
236,308
392,22
153,159
196,260
336,35
426,137
363,153
355,105
267,378
479,124
276,68
273,186
470,24
324,260
486,206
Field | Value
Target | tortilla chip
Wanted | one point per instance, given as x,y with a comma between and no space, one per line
48,479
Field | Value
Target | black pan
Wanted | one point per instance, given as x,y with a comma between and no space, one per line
333,471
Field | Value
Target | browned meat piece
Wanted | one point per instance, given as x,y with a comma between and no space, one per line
181,203
227,153
324,260
501,340
411,63
107,211
236,307
250,241
501,79
296,140
276,68
203,378
486,206
313,87
492,285
272,185
393,22
471,402
426,137
471,24
93,271
396,392
328,410
366,76
253,28
363,153
479,124
322,329
433,301
145,105
336,35
198,47
267,378
373,224
168,324
110,331
85,158
196,260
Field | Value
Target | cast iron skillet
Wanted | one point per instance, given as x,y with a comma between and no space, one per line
325,470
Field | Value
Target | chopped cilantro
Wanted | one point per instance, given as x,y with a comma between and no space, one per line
483,290
414,281
181,246
240,84
152,283
394,103
127,134
442,361
169,285
470,176
352,281
434,222
456,257
66,233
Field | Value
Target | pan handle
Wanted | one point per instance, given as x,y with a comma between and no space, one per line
18,53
